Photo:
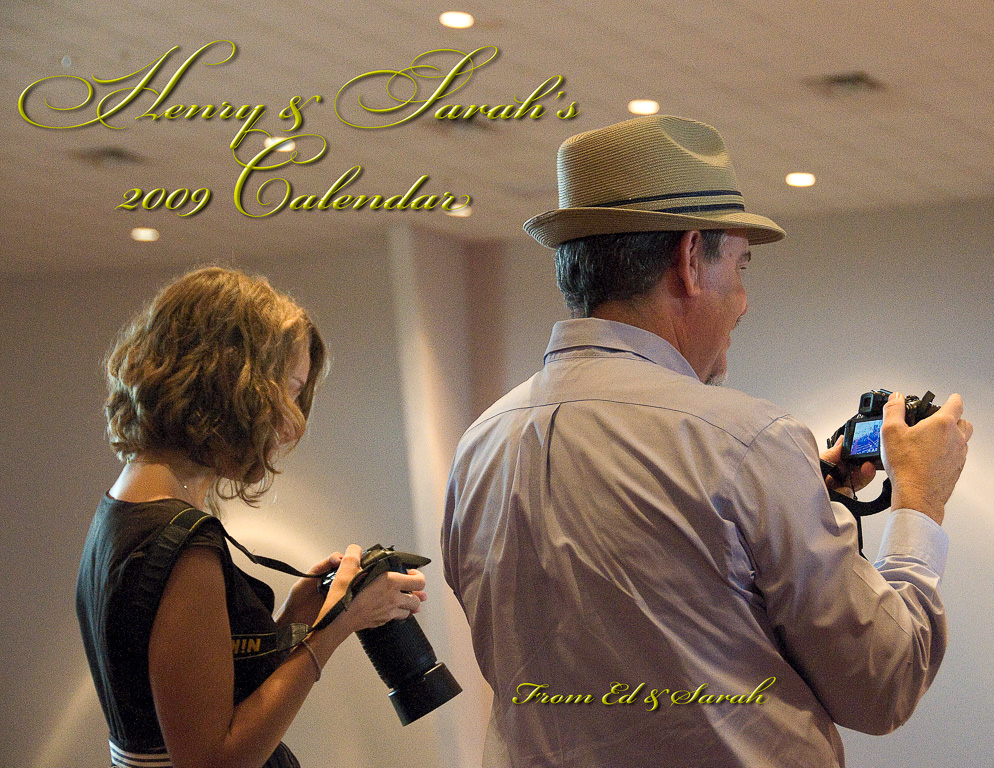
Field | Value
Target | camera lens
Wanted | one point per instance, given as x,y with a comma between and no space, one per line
399,650
405,661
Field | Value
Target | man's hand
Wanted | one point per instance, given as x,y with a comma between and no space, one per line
924,461
856,477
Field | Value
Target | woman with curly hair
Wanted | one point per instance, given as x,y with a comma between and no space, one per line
207,386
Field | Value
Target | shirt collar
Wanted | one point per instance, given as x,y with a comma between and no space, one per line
570,337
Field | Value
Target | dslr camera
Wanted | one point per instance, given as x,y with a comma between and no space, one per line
861,434
399,650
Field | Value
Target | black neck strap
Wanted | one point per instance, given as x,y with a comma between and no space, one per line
158,564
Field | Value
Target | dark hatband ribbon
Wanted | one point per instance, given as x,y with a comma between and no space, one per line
681,208
701,208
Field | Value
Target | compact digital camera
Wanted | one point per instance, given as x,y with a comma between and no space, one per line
861,434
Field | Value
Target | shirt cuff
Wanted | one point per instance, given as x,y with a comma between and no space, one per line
909,533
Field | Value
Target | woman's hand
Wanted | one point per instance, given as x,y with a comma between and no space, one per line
304,602
389,596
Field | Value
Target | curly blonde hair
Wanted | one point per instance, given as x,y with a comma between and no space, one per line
203,371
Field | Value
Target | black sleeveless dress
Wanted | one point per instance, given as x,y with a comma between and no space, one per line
117,652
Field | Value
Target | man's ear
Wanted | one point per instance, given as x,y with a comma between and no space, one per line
688,263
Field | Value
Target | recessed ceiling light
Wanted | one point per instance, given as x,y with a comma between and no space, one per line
144,234
800,179
461,213
456,20
286,146
643,107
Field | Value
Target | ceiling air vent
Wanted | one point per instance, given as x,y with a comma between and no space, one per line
844,84
110,157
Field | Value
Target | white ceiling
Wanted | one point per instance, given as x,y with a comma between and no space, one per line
744,66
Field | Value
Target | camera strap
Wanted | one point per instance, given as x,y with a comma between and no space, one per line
158,564
859,509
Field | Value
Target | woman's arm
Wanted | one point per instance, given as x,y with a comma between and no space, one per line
192,672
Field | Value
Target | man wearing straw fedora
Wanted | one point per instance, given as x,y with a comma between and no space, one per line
651,567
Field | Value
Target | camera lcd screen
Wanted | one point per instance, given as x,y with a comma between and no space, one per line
866,437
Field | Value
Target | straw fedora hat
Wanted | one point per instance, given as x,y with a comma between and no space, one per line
649,174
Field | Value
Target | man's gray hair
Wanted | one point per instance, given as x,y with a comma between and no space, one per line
599,268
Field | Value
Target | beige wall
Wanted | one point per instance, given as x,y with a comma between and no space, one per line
424,330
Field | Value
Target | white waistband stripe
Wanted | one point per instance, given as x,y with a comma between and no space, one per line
123,759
